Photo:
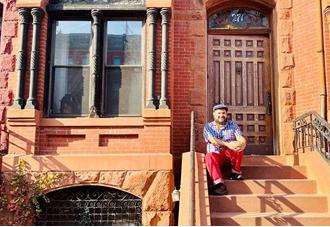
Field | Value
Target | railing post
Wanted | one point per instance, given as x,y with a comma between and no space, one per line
192,172
295,137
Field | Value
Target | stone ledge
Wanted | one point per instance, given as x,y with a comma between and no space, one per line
130,161
158,3
31,3
22,114
81,122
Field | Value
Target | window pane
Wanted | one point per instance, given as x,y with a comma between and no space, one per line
70,91
123,91
72,42
124,42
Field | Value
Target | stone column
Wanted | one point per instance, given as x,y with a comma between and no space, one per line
21,61
37,14
164,59
94,64
151,22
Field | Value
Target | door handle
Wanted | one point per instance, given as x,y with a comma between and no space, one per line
268,103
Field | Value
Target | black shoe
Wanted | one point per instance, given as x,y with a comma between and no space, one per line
236,176
220,189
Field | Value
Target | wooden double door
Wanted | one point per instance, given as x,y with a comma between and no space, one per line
239,76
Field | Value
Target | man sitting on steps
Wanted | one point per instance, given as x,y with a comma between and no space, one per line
224,143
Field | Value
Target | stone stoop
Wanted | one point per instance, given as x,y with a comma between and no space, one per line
273,193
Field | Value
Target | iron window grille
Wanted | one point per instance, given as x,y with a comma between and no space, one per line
90,205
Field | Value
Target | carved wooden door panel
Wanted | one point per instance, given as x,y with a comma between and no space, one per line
239,76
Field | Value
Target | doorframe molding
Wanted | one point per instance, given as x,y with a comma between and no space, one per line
267,7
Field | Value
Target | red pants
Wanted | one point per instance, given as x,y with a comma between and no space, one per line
214,162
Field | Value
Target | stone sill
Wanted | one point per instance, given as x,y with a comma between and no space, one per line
81,162
158,3
31,3
18,117
120,121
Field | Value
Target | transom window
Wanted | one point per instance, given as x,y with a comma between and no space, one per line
237,18
119,88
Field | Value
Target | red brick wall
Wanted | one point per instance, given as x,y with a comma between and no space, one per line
189,70
42,62
326,23
7,63
307,64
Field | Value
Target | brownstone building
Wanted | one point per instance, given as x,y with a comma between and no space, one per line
102,91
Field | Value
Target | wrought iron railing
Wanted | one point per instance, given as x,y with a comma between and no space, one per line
313,132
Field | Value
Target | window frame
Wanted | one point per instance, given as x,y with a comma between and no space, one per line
85,15
53,67
105,66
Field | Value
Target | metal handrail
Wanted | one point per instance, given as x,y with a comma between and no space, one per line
311,130
192,172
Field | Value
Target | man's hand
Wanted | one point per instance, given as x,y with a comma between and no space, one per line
235,146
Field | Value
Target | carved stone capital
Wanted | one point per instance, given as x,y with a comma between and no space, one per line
37,14
152,15
97,15
23,15
165,14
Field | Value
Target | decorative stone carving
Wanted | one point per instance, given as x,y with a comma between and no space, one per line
37,14
21,61
164,58
95,66
151,21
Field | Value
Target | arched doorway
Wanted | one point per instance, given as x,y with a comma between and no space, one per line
91,205
239,73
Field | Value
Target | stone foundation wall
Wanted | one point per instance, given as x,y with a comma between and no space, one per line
153,187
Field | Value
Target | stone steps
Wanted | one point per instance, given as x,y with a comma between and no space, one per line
271,186
270,219
273,193
269,203
275,160
274,172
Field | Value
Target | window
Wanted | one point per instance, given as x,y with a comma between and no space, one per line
70,72
123,87
119,88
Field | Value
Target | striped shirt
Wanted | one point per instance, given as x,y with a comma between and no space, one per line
227,134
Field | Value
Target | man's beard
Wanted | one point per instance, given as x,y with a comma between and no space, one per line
223,122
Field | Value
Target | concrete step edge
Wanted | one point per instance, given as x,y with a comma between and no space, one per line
267,214
316,195
270,180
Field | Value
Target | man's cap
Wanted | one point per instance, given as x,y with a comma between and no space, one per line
220,107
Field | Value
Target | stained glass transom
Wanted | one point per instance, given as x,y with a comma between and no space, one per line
236,18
